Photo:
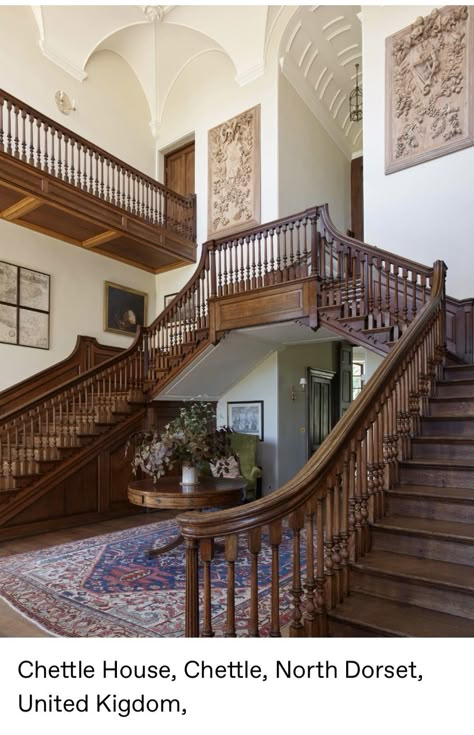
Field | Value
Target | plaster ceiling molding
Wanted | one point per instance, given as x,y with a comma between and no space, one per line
318,53
238,30
70,33
158,53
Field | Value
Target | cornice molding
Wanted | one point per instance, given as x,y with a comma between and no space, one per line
62,62
250,73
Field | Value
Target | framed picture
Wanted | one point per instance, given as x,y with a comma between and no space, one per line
124,309
246,417
24,306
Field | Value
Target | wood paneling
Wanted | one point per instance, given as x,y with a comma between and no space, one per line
283,302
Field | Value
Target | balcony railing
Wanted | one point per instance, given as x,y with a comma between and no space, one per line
32,138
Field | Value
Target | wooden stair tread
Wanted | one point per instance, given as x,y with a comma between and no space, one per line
433,462
437,439
400,619
450,399
432,571
431,491
455,381
428,527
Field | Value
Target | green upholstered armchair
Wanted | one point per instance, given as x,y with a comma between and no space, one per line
245,445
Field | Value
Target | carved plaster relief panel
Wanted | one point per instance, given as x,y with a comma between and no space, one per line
429,92
234,174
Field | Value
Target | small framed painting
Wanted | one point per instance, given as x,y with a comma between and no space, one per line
246,417
124,309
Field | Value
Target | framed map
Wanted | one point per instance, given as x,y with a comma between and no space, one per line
24,306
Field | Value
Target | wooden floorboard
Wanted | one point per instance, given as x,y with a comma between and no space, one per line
12,623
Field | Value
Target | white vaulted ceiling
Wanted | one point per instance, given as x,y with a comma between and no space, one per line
318,53
318,48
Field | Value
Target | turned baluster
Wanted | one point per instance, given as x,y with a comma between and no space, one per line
371,433
231,553
38,143
23,136
351,520
254,545
275,541
72,168
310,615
207,554
9,128
296,523
344,527
317,254
379,270
388,297
2,102
84,167
16,140
359,535
320,580
192,589
331,593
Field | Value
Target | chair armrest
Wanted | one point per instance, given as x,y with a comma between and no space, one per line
255,472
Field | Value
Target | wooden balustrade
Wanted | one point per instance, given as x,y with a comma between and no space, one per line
367,281
29,136
323,514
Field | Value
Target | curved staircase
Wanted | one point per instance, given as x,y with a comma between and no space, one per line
380,518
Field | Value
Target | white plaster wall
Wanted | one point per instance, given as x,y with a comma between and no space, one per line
260,385
424,212
312,169
112,110
77,297
205,95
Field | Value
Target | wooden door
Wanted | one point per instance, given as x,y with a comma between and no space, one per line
179,170
320,407
179,177
357,198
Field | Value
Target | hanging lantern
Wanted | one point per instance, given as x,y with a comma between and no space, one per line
355,100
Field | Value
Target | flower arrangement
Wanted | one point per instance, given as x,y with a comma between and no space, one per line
190,439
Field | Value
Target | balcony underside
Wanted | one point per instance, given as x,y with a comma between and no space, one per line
35,200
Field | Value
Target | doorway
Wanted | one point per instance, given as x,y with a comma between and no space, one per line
320,407
179,170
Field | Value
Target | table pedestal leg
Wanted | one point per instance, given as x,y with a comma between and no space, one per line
167,547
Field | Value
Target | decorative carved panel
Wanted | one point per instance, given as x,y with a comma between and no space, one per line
234,174
429,95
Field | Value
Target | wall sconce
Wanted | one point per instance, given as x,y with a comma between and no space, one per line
302,388
63,103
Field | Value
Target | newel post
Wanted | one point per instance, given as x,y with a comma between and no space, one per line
192,589
315,240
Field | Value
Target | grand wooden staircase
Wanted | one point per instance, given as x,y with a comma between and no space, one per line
417,579
380,531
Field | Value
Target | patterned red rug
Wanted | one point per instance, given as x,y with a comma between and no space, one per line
107,586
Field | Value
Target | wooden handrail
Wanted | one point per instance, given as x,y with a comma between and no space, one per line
34,138
87,353
334,497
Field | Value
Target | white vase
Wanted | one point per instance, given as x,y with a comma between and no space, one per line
189,475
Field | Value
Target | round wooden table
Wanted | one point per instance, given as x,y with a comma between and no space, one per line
169,494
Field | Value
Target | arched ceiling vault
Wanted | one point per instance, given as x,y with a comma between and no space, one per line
318,49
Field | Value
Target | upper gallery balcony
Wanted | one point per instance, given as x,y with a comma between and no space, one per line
55,182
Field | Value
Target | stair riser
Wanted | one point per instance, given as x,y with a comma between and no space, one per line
463,373
439,510
339,629
437,477
440,450
447,427
453,407
451,390
424,547
442,599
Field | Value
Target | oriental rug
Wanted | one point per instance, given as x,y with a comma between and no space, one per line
106,586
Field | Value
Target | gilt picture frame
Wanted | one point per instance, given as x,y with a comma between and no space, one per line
125,308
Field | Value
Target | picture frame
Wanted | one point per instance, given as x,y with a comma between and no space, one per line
125,308
24,306
246,417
